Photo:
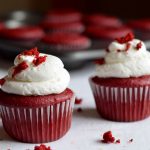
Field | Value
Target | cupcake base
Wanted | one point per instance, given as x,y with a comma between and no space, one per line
39,124
121,103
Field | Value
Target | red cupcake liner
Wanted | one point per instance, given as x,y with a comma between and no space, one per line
122,103
38,125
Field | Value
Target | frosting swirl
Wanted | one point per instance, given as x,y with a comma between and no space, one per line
36,74
124,59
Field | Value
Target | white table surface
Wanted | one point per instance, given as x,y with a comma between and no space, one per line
87,126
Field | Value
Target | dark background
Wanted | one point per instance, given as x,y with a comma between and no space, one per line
122,8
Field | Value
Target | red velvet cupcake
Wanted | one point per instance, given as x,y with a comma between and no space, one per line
66,41
121,85
63,16
103,20
103,35
76,27
141,27
36,105
109,33
27,33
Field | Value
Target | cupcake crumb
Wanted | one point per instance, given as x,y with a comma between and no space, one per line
117,141
78,101
130,141
108,137
42,147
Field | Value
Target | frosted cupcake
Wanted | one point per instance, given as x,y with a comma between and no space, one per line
121,85
36,105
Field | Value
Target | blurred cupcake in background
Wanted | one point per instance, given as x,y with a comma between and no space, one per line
76,27
63,21
102,20
63,16
65,42
121,84
103,35
141,28
25,33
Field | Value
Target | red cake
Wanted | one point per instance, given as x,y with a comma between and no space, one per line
141,27
77,27
35,105
67,41
63,16
121,85
103,20
98,32
23,33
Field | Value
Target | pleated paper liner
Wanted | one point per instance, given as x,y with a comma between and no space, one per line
122,104
38,125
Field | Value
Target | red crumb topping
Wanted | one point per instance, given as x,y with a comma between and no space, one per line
79,110
117,141
39,60
2,81
108,137
131,140
78,101
139,45
100,61
42,147
22,66
127,46
31,52
127,38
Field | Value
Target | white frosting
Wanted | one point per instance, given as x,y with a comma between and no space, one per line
50,77
123,64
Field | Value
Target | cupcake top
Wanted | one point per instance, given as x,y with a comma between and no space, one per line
125,57
35,73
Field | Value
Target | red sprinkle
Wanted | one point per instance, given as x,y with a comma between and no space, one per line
39,60
100,61
79,110
22,66
33,51
117,141
2,81
78,101
131,140
42,147
127,46
108,137
127,38
139,45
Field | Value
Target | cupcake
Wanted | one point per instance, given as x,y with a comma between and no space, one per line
102,20
121,84
65,42
36,105
76,27
63,16
102,36
141,28
26,33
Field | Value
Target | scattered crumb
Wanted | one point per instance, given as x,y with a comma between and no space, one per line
78,101
130,141
108,137
117,141
42,147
